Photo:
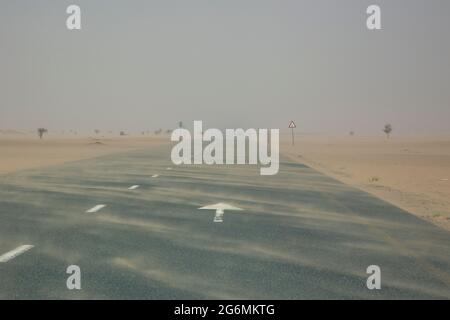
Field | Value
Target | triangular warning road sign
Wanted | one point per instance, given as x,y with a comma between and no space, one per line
292,125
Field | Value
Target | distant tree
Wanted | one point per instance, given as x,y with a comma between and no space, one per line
41,132
168,131
352,133
180,124
387,129
122,133
97,131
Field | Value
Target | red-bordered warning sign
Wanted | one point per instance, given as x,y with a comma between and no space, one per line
292,125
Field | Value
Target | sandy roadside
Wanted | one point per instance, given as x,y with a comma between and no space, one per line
20,152
409,172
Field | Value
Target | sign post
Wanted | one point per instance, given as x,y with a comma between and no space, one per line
292,126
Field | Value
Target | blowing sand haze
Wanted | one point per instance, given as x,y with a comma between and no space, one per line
242,151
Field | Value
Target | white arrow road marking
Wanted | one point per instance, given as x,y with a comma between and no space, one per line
96,208
155,176
220,210
219,215
133,187
14,253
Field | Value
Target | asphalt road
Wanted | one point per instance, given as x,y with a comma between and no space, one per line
300,235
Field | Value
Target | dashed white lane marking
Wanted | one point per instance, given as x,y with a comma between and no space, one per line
133,187
168,168
96,208
14,253
155,176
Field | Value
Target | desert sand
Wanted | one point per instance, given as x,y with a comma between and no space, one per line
27,151
410,172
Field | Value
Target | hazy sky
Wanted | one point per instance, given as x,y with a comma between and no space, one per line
146,64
